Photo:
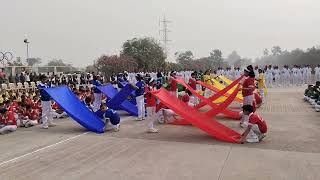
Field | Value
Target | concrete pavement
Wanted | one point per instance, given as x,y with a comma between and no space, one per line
290,151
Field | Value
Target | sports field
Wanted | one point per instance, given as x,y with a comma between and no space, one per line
290,151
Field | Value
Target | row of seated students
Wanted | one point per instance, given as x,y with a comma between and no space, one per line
312,95
23,109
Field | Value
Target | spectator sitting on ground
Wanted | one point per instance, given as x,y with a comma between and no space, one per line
7,122
28,117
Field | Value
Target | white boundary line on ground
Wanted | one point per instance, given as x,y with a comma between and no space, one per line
41,149
47,147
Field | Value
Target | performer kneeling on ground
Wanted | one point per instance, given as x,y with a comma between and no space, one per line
189,98
88,102
256,127
111,117
169,116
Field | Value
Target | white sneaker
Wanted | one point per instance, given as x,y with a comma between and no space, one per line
160,119
244,124
4,132
116,128
138,119
45,127
261,137
252,140
152,130
52,125
109,128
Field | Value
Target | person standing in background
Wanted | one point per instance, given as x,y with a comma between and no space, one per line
47,119
22,78
97,93
317,73
27,78
139,90
309,73
16,78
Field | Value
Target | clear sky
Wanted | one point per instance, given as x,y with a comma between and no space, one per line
79,31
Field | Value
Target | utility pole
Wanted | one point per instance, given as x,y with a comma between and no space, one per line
164,31
26,41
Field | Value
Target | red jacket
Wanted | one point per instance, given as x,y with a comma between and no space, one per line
193,83
255,119
248,82
151,100
9,120
33,115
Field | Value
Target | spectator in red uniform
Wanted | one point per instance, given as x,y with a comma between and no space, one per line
36,104
57,111
28,117
7,122
29,101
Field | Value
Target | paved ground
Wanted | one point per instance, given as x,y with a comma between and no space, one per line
290,151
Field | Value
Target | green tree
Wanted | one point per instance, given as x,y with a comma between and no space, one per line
265,52
243,62
296,56
64,67
216,58
276,50
203,64
56,62
233,57
91,68
173,66
184,58
109,65
33,61
17,62
147,52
